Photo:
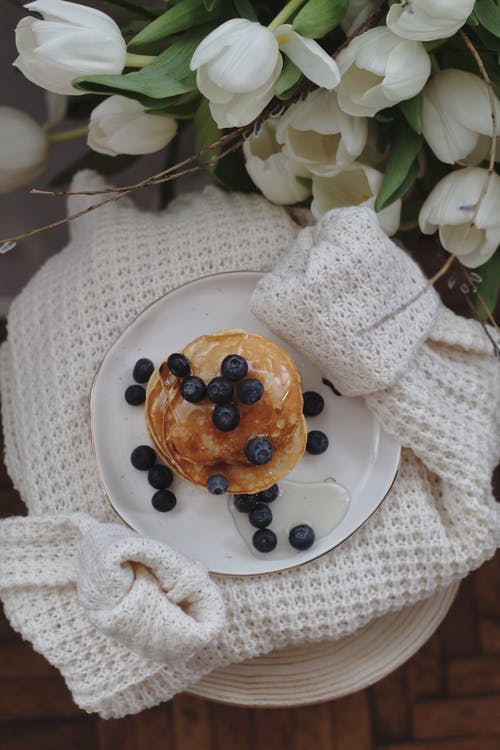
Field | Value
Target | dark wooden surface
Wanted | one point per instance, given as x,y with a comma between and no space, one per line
447,697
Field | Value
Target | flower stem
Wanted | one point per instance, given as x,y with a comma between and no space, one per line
67,135
285,14
138,61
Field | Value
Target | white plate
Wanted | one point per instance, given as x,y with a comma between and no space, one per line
362,457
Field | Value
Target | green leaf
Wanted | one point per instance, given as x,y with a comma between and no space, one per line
400,169
229,170
245,9
318,17
489,287
185,15
487,13
105,165
169,75
304,181
412,111
128,10
181,107
288,80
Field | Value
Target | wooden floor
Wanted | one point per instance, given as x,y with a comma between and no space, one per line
447,697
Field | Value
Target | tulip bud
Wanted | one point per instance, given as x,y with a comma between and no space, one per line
238,65
456,117
319,135
425,20
471,233
71,40
355,185
379,70
121,126
272,170
23,149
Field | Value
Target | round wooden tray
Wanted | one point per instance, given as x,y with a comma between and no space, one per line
318,672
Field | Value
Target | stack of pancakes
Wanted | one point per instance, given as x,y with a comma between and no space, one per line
184,435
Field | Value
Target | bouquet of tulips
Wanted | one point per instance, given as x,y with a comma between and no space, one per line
320,103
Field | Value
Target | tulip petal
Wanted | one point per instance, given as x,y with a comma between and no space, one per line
308,56
209,89
272,171
72,13
120,125
424,21
228,33
243,108
449,140
356,185
408,68
246,64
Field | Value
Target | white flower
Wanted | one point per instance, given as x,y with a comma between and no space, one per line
457,121
121,126
450,207
356,185
272,170
379,70
23,149
318,134
71,40
357,13
425,20
239,63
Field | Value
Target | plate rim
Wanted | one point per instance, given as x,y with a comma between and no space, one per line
98,469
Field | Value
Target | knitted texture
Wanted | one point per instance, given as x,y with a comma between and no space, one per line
345,287
150,598
59,568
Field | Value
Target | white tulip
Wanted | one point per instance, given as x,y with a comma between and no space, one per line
238,65
379,70
121,126
71,40
272,170
318,134
357,13
425,20
356,185
456,117
23,149
451,206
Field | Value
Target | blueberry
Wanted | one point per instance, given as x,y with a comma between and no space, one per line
261,516
160,477
143,369
217,484
259,450
313,404
267,496
234,367
164,500
179,365
193,389
245,503
250,390
225,417
317,442
220,390
301,536
143,457
135,395
264,540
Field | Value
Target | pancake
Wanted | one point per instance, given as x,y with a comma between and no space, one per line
184,435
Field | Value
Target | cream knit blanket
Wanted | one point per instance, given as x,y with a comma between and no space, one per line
103,604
